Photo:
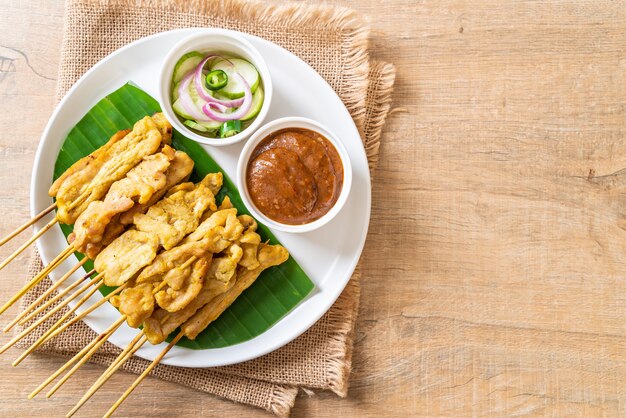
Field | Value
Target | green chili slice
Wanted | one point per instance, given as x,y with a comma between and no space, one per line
230,128
216,80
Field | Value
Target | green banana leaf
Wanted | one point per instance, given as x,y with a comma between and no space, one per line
275,292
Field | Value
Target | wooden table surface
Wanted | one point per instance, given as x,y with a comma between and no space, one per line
495,262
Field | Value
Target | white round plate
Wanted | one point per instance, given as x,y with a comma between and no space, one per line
328,255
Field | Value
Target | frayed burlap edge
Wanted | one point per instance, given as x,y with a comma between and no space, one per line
282,400
340,339
382,86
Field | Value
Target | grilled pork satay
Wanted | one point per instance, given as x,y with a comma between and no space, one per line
269,255
164,126
179,213
249,243
176,216
89,179
179,171
180,271
182,268
221,272
87,166
139,185
163,226
190,326
212,300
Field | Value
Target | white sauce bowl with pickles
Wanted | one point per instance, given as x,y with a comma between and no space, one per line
215,87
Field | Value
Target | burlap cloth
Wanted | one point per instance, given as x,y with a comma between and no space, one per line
332,40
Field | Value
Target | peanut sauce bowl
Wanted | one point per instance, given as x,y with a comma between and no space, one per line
248,153
217,41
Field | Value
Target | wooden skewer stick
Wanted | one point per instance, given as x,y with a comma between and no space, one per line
84,355
187,263
159,287
28,243
134,345
143,375
56,298
44,337
46,294
41,320
99,342
27,224
87,311
78,201
58,328
53,264
94,307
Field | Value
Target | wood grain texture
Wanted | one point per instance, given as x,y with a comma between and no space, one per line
494,268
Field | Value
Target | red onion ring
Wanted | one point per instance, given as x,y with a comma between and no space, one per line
219,107
237,114
204,94
187,103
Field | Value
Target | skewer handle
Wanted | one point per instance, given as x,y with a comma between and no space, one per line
27,224
45,295
55,299
53,264
95,346
46,335
89,310
61,369
28,243
143,375
135,345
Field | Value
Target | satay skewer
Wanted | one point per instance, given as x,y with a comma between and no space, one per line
127,353
46,335
181,168
202,318
65,254
104,172
60,326
28,243
99,341
41,339
143,375
52,301
24,316
137,342
27,224
82,356
85,354
54,330
44,318
92,308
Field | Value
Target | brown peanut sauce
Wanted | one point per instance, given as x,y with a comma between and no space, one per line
294,176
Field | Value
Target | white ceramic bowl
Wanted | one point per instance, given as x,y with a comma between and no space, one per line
221,41
268,129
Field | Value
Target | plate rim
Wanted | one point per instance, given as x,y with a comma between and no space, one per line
354,256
